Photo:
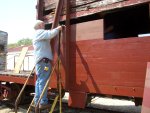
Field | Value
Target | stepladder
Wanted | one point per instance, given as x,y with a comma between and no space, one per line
57,65
51,107
36,107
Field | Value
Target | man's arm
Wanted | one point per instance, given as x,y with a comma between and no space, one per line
52,33
48,34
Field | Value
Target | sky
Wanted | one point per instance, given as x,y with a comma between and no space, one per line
17,18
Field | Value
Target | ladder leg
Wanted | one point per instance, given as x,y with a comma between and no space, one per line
37,110
20,94
60,103
58,84
54,104
29,109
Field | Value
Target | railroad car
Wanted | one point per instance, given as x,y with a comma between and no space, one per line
3,49
104,49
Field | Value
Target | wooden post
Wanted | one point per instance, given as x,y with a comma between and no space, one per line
146,96
67,40
39,9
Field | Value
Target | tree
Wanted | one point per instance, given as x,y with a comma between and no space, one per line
12,45
24,41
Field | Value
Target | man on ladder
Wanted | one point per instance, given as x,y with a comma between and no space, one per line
43,56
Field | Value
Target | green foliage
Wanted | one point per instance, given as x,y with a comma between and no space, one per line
12,45
21,42
26,41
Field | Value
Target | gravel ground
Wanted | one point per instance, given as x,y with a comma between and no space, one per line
98,105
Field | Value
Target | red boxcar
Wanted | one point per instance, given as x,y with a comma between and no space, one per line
105,48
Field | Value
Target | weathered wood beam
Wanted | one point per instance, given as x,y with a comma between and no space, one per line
39,9
94,5
118,5
55,23
81,4
78,3
57,13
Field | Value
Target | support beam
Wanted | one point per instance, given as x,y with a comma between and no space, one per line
39,9
77,99
57,16
146,96
67,40
58,12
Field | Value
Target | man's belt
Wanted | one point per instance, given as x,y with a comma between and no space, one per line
45,60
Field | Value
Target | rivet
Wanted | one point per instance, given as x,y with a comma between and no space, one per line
133,89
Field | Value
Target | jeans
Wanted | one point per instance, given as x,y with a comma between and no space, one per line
42,77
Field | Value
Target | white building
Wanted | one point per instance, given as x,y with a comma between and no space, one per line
12,57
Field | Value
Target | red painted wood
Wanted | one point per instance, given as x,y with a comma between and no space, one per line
77,99
146,96
81,31
39,7
67,43
97,65
16,79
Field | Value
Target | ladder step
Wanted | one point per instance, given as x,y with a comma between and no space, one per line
47,106
33,106
32,94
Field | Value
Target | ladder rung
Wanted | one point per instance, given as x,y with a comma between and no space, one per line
32,94
43,106
33,106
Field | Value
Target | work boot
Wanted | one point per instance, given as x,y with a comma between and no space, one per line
44,106
0,103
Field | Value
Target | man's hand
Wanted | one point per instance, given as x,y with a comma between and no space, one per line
60,27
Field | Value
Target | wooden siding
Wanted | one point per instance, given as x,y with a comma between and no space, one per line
100,66
146,96
87,30
117,66
79,5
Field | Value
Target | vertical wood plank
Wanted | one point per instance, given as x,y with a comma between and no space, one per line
146,96
67,40
20,60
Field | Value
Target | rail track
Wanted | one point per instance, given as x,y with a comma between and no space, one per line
98,105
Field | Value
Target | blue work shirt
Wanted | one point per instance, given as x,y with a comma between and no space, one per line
41,44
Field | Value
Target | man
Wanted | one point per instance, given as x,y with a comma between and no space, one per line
43,55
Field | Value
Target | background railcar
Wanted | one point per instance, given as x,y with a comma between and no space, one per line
104,50
3,49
